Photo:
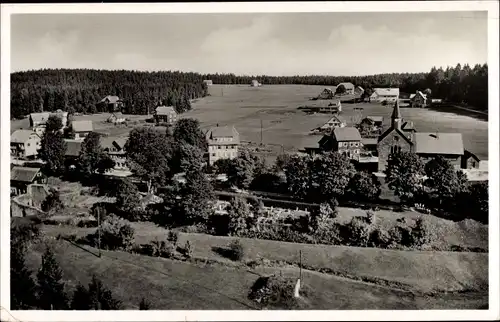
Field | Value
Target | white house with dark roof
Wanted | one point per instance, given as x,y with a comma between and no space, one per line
110,103
223,143
388,95
166,114
115,148
24,144
345,140
81,129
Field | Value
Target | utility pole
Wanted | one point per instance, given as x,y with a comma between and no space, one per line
99,230
300,264
260,131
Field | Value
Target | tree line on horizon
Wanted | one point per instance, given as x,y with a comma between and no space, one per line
79,90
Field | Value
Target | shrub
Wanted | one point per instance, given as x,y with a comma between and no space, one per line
379,238
423,233
116,233
52,202
275,291
173,237
188,250
236,250
160,248
359,232
370,216
400,236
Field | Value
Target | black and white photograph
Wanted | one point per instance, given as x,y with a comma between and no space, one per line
274,160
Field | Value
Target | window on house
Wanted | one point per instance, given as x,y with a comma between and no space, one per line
213,154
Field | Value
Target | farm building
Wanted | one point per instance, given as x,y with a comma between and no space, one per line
116,118
327,94
388,95
345,140
377,120
436,101
24,144
418,99
81,129
331,124
110,103
470,161
326,106
255,83
39,120
223,143
349,88
165,114
359,91
208,82
22,177
370,145
425,145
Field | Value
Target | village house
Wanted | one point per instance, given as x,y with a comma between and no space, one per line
418,99
223,143
388,95
208,82
345,140
110,103
38,120
72,153
358,91
81,129
327,93
369,145
349,88
24,144
22,177
115,148
331,124
402,136
116,118
165,114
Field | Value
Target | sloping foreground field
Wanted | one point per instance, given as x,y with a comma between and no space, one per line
422,271
171,284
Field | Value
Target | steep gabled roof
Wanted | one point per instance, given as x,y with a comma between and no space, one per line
73,147
21,136
165,110
82,126
439,143
346,134
390,130
40,117
347,85
386,91
222,132
111,99
23,174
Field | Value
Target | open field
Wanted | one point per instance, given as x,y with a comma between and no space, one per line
179,285
276,106
419,270
283,124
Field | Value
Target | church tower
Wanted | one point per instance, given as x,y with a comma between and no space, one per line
396,117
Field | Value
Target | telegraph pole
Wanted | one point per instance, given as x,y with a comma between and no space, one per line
300,264
260,131
99,230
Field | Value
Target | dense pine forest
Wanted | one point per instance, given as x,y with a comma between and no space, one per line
79,90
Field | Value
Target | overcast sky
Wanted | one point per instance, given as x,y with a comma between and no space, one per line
272,44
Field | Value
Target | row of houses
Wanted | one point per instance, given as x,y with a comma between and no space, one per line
400,136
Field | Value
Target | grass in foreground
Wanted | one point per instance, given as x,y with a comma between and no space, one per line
176,285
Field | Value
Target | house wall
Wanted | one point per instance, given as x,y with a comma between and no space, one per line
81,135
469,163
28,149
216,152
418,101
385,146
170,118
348,148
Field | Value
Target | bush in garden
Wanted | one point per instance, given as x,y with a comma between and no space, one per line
276,292
188,250
423,233
370,216
400,236
173,237
236,250
379,238
116,233
359,232
161,248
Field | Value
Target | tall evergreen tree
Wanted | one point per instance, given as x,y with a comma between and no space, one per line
51,294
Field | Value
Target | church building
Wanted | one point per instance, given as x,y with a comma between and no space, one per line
402,136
